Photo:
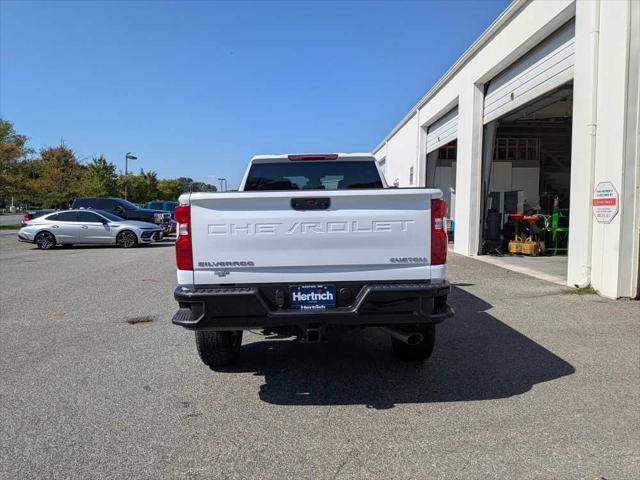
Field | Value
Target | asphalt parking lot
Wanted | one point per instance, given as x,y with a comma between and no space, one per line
527,381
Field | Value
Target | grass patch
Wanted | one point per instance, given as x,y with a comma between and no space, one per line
588,290
10,227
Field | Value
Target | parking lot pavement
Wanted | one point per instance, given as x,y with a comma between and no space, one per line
527,381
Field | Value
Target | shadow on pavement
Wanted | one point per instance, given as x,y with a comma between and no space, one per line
477,357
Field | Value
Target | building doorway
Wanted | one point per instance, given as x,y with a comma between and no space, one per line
526,184
441,174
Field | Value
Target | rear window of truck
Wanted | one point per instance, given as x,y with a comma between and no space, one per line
313,175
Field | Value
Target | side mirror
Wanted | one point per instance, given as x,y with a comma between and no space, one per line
118,209
104,221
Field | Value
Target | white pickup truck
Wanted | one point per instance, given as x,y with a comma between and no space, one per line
311,244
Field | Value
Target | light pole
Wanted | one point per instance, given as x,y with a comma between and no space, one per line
127,157
222,181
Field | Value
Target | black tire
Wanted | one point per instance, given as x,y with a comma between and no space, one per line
127,239
218,349
419,352
45,240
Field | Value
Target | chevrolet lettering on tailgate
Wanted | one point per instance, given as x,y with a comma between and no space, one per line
374,226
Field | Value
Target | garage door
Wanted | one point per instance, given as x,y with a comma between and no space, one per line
443,130
545,67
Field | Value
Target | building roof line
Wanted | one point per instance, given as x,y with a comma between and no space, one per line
481,41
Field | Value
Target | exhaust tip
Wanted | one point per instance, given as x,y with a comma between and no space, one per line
410,338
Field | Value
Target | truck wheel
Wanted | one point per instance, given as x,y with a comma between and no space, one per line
217,349
419,352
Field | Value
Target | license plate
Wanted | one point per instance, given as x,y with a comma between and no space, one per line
313,297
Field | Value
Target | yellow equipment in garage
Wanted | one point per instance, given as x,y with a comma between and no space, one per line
515,245
531,247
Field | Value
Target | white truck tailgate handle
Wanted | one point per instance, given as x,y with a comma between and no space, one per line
310,203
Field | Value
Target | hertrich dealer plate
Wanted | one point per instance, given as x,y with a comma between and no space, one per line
313,297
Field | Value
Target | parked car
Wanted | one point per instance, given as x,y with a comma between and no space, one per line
125,209
164,205
312,244
167,206
69,227
173,227
32,214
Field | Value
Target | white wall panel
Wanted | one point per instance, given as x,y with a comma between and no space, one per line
443,130
401,154
500,177
445,180
544,68
527,179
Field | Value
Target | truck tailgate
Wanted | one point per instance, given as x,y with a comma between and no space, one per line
311,236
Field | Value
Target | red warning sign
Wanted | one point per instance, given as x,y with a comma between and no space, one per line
605,202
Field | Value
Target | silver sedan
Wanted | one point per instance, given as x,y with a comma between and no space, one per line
70,227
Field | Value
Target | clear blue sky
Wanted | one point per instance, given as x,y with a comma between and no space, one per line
196,88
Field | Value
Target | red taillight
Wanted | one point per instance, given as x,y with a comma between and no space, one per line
184,256
439,240
26,217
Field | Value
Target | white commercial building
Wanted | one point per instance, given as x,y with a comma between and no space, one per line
540,114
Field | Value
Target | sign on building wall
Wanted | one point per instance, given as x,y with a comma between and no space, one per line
606,202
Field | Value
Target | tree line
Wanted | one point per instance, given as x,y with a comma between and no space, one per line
53,177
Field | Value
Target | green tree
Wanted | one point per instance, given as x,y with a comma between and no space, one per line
141,187
60,176
13,149
99,179
27,173
168,189
55,177
203,187
172,188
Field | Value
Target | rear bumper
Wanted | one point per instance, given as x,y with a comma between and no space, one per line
247,307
